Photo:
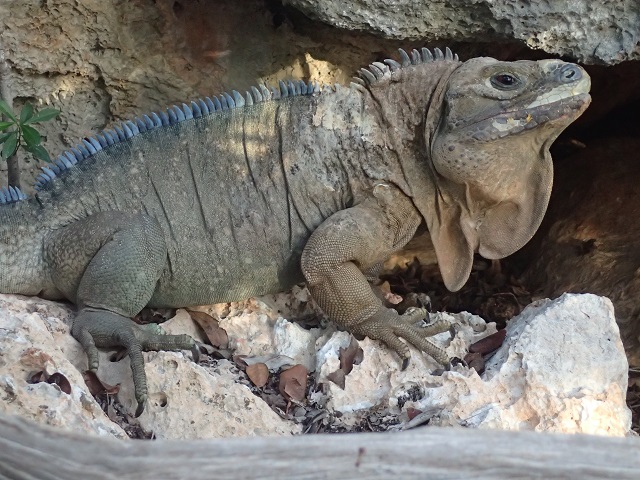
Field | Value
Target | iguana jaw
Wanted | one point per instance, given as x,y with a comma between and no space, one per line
564,110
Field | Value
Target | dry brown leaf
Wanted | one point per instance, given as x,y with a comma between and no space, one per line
59,379
258,373
55,379
37,377
392,298
385,287
489,344
475,361
239,360
350,356
97,386
337,377
293,383
413,412
216,334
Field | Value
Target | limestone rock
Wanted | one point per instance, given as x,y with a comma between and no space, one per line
562,368
379,380
586,30
189,401
185,400
259,326
34,336
99,62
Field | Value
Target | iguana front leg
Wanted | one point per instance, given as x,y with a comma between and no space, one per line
351,242
108,264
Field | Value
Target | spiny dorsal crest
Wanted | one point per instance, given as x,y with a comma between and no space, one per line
11,195
171,116
174,115
378,70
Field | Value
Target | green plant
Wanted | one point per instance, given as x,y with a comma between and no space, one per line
18,131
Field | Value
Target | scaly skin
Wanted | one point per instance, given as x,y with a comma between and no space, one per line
316,187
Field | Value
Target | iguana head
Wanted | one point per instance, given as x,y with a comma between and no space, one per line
490,160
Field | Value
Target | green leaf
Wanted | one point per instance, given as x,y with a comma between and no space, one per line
39,152
10,145
5,125
31,136
4,108
4,136
44,115
26,113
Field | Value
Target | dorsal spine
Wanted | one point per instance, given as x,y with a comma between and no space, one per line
173,115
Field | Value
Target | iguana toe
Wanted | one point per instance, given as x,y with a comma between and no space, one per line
141,403
415,315
101,328
195,353
391,328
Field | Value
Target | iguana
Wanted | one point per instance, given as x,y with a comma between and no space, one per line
242,195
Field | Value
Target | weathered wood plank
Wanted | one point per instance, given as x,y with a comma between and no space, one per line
28,451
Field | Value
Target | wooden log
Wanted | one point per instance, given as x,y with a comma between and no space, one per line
29,451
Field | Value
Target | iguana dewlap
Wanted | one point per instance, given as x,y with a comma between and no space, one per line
242,195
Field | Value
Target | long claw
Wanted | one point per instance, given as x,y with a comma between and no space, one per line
101,328
195,352
405,363
140,408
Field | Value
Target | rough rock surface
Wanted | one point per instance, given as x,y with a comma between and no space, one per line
109,60
99,62
189,401
562,368
586,30
186,400
34,337
378,381
590,239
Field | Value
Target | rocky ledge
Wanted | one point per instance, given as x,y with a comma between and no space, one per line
561,368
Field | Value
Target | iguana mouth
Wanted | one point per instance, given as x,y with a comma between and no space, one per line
565,109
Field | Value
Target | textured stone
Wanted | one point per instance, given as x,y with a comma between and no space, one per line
34,336
101,61
561,368
586,30
185,400
379,380
259,326
188,401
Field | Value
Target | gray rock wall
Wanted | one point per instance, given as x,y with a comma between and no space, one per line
600,31
100,61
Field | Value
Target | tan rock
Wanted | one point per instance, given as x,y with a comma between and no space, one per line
188,401
34,337
562,368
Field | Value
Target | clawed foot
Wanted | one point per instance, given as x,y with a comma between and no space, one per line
104,329
390,327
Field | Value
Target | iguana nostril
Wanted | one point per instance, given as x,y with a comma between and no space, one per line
569,73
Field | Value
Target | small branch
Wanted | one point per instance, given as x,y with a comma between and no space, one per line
13,165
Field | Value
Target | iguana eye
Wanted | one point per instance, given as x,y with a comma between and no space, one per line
505,81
